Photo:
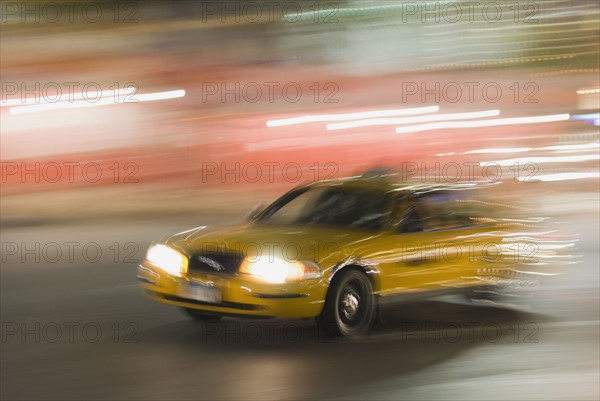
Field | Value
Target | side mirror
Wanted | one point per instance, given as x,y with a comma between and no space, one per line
251,215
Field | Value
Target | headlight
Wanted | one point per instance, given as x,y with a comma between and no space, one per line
167,259
275,270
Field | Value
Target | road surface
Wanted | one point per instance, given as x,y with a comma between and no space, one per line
75,326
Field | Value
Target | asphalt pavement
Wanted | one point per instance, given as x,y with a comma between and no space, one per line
76,326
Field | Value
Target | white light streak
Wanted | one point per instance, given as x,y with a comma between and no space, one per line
413,120
498,150
351,116
483,123
572,147
548,159
589,116
148,97
561,177
588,91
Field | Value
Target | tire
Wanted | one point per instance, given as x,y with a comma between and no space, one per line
200,316
349,306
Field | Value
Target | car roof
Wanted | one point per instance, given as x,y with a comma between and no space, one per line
395,183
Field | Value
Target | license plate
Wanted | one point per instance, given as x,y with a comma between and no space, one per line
200,292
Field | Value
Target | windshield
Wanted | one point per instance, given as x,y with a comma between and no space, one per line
328,206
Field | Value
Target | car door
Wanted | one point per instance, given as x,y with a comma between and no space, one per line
427,249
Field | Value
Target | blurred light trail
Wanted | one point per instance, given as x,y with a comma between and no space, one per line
561,176
567,148
412,120
588,91
148,97
70,97
565,72
498,150
589,117
572,147
351,116
483,123
543,159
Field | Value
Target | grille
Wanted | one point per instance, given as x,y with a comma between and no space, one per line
215,262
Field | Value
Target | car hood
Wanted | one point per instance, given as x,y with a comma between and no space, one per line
288,242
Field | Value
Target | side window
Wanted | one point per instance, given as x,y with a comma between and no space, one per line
407,218
433,213
411,221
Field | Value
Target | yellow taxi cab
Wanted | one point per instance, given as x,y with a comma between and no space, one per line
336,251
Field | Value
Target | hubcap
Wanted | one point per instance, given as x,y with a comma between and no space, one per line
350,302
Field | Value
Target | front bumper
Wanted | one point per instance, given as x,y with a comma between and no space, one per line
239,294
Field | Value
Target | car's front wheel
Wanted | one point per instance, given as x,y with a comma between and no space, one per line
200,316
349,307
